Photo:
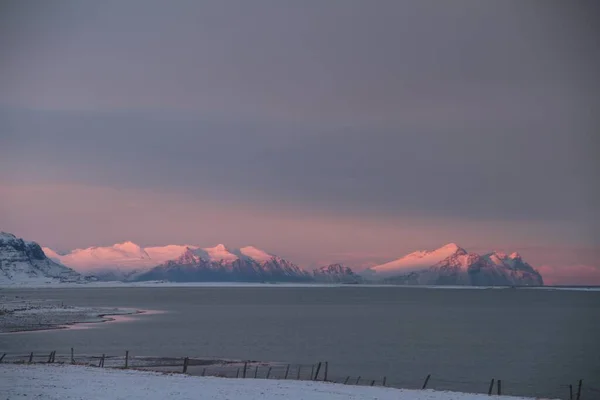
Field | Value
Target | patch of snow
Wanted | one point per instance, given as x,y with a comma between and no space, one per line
56,382
161,254
256,254
218,253
51,254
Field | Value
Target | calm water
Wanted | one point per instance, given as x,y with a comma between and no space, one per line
536,341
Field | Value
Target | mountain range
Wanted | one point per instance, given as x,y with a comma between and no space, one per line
219,263
448,265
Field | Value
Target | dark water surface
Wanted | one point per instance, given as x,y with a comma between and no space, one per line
537,341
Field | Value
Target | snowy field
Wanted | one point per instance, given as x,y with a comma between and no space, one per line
67,382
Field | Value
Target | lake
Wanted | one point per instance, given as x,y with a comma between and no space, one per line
538,341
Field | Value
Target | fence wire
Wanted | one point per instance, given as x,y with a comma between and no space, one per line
318,371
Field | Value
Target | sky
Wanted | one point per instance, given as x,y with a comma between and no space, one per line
339,131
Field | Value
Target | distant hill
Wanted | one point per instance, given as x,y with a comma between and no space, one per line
336,273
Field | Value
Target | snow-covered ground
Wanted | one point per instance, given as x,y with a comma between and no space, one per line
76,382
19,314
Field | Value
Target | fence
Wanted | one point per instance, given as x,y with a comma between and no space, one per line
319,371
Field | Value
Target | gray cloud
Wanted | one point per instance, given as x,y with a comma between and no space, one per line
469,109
477,171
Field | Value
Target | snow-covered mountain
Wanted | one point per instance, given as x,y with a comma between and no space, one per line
24,262
412,262
336,273
453,265
219,263
118,261
449,264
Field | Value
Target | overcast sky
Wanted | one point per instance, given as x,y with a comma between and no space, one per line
324,131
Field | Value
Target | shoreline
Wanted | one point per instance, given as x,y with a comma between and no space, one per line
20,315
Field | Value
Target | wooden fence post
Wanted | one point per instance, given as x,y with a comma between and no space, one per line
269,372
30,357
312,371
298,375
50,358
326,370
579,389
2,358
426,381
384,379
491,387
245,368
72,356
373,382
317,371
256,371
357,380
346,381
499,387
102,360
237,374
126,359
287,371
203,371
570,392
185,364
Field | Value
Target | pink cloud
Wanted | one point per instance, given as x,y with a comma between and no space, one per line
570,275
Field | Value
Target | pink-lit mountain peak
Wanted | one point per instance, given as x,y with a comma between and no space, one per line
419,259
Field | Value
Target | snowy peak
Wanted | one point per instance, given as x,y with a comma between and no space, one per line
453,265
160,254
219,264
471,269
130,249
224,255
417,260
256,254
51,254
124,257
515,256
121,260
451,248
219,253
24,262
